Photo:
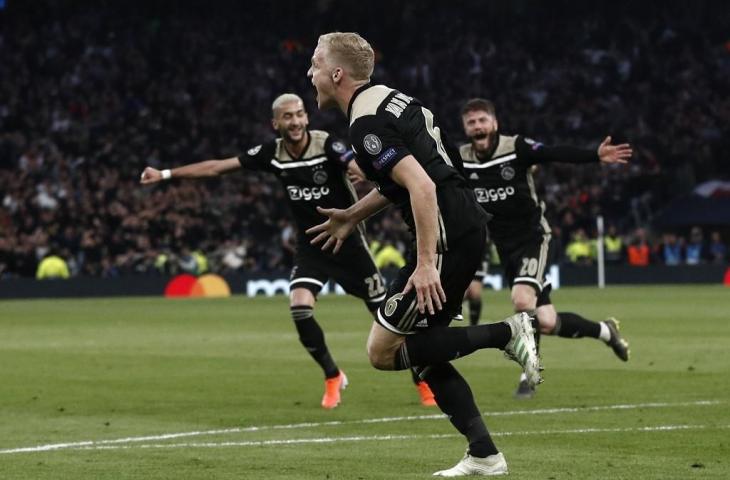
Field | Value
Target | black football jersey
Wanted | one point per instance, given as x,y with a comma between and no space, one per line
385,127
504,186
315,179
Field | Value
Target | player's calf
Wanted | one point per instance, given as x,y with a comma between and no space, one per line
312,339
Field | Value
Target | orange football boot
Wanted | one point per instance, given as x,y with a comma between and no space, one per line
427,398
332,387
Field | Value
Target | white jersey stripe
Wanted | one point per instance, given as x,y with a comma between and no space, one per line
306,280
528,279
435,133
384,323
304,163
491,162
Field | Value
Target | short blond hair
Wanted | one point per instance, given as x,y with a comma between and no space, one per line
353,51
284,98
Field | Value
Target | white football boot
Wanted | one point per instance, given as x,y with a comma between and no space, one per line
522,349
491,465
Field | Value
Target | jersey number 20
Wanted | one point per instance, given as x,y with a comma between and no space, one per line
529,267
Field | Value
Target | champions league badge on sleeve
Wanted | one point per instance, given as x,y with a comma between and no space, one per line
253,151
372,144
339,147
532,143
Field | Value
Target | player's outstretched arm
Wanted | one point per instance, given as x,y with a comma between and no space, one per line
535,152
425,279
207,168
355,173
340,223
609,153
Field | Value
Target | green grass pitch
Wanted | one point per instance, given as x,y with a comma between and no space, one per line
149,388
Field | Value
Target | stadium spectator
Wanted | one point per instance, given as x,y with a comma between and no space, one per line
639,252
578,250
231,256
671,250
718,249
52,266
386,255
695,250
613,246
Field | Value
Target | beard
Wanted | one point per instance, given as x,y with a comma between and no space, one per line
492,140
288,136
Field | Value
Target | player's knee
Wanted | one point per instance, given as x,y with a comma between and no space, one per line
547,324
380,359
524,297
381,355
474,292
548,318
523,302
301,297
383,347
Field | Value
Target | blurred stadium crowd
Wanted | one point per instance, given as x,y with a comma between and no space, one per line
94,91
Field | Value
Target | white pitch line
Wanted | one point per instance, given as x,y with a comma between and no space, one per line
171,436
300,441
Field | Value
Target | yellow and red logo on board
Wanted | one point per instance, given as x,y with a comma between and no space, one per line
208,285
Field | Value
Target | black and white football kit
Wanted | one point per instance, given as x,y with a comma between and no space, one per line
386,126
504,187
483,270
318,179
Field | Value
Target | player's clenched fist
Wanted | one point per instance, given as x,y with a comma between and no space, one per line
150,175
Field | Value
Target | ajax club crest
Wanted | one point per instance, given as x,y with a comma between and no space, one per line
508,173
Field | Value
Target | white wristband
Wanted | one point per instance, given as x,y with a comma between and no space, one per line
166,174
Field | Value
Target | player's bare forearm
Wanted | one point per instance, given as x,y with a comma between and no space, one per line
422,192
425,278
207,168
367,206
425,215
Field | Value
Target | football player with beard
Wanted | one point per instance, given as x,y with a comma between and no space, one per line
499,170
313,167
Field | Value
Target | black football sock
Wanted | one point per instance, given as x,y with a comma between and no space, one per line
414,376
572,325
312,337
454,397
475,310
439,345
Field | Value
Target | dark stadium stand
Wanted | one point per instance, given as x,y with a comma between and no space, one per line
94,91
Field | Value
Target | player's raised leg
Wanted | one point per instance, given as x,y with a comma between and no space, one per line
573,325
